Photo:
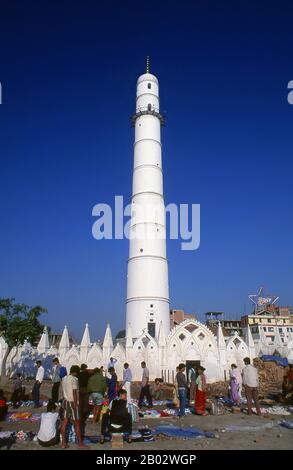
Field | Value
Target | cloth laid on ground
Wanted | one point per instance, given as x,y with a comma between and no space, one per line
133,410
24,436
217,408
286,424
166,413
278,410
25,416
7,439
70,434
226,401
282,361
28,403
235,428
162,402
149,414
93,439
188,433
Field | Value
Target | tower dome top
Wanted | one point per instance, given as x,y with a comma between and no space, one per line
147,77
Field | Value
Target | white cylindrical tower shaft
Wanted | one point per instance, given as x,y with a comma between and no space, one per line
147,304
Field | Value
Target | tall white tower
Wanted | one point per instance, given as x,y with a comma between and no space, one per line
147,304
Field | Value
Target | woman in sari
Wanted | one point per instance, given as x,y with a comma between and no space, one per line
235,384
200,394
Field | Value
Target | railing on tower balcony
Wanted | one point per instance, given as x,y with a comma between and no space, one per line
148,110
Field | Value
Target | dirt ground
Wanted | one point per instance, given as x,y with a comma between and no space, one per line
277,438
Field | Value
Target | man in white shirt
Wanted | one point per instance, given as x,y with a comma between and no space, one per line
127,378
251,383
145,387
37,385
70,405
48,434
112,363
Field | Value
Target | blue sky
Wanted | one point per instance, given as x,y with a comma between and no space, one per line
68,71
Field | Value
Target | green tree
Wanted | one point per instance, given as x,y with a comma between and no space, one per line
18,323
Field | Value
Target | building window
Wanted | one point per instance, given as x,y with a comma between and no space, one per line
151,305
280,330
152,329
269,320
265,328
149,86
149,107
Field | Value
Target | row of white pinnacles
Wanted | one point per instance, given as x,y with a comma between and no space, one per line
188,341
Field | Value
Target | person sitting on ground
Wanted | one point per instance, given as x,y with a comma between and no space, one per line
3,406
18,390
157,391
117,419
49,432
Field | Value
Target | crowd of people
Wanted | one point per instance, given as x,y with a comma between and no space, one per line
82,391
82,387
195,385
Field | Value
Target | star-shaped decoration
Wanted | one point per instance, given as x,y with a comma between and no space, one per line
260,301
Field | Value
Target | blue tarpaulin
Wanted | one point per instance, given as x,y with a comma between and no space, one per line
282,361
175,431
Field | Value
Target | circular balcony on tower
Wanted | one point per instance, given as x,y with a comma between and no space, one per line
148,110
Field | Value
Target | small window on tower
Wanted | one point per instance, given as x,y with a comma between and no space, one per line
149,107
149,86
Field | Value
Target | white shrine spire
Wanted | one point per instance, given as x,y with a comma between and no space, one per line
64,342
44,345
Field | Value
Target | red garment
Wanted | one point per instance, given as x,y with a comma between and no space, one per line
200,402
2,403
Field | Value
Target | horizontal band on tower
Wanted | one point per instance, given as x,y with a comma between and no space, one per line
147,257
135,299
146,139
157,224
145,93
151,165
147,192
